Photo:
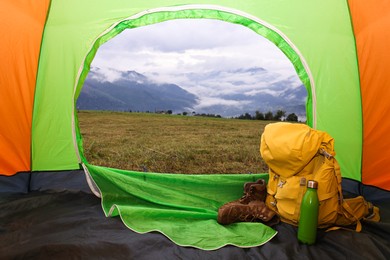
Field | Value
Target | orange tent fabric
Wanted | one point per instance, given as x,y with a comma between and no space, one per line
373,44
23,22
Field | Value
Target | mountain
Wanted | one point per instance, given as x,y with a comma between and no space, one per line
132,91
280,95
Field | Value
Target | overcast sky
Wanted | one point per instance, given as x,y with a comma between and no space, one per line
205,57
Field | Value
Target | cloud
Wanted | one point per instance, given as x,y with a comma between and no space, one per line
209,58
255,92
102,75
181,35
212,101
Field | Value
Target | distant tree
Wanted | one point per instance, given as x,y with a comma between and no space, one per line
185,113
169,112
269,116
208,115
245,116
248,116
292,117
259,115
279,114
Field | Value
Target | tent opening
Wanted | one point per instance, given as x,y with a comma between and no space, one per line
213,69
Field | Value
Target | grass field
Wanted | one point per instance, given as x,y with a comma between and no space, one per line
172,143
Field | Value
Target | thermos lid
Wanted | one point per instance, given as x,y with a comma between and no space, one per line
312,184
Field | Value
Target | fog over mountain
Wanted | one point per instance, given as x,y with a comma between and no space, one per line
255,89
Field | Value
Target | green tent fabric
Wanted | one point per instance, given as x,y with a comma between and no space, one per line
324,58
182,207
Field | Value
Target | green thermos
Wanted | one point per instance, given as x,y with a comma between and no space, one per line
308,220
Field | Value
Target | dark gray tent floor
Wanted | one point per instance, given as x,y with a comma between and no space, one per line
55,216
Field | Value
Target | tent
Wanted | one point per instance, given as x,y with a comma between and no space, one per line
338,48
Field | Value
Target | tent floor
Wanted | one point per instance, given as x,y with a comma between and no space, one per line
50,221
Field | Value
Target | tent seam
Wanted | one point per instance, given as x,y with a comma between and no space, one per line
35,87
360,89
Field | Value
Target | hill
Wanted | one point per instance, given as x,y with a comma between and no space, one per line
132,91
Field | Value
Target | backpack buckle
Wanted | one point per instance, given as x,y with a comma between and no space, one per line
281,183
325,153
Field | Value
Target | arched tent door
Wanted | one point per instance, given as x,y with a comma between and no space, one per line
74,30
189,12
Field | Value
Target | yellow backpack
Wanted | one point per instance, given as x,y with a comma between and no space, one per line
296,153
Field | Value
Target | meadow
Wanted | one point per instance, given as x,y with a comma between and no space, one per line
172,143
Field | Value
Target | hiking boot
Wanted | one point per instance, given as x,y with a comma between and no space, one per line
254,211
252,191
253,198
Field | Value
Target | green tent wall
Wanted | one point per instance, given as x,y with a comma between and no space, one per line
325,40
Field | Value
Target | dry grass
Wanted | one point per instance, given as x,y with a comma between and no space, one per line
170,143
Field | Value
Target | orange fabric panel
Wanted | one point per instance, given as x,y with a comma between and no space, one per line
21,28
371,22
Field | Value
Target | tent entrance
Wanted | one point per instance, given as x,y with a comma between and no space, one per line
208,12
